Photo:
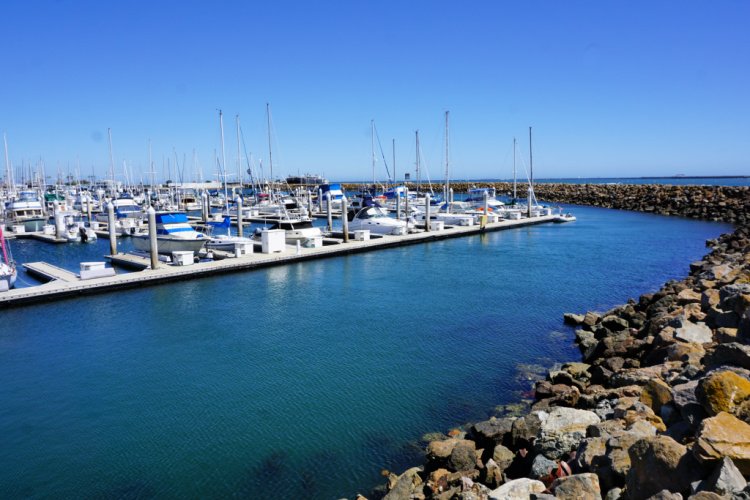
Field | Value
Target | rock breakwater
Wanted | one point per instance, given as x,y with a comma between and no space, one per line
659,406
718,203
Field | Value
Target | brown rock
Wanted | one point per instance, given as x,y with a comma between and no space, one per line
724,436
656,393
577,487
722,391
659,463
688,296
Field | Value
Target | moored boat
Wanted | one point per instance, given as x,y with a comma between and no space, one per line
173,234
8,270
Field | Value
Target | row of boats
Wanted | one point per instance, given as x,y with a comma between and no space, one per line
175,232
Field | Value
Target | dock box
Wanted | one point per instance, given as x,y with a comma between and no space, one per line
243,248
513,215
19,229
437,225
314,242
362,235
48,229
182,258
90,270
273,240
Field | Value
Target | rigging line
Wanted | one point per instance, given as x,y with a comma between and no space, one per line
247,158
382,153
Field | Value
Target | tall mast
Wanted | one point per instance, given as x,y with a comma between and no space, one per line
9,174
416,133
372,147
270,156
111,161
514,170
239,155
531,163
223,157
395,178
447,171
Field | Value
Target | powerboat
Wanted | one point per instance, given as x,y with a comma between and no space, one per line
376,220
225,242
25,210
173,234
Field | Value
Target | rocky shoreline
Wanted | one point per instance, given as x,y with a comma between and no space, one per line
659,406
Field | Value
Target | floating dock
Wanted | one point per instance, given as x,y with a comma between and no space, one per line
67,284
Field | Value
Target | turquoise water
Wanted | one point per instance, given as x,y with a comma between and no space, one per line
304,381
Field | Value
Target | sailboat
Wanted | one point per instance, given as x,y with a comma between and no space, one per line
8,270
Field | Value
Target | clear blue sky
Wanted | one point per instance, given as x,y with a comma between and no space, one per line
610,88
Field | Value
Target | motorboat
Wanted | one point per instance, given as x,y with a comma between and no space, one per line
476,197
225,242
173,234
336,194
25,210
561,217
376,220
8,272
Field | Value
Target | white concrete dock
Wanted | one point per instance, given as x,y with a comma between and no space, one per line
62,285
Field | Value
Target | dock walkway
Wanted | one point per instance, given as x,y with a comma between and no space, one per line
64,286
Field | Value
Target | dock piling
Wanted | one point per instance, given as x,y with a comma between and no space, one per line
152,237
345,219
427,212
238,200
330,211
111,228
204,206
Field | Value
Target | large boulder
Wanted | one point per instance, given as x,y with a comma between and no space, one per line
726,479
562,431
492,432
724,436
687,331
463,456
658,463
722,391
734,354
405,485
518,489
656,393
577,487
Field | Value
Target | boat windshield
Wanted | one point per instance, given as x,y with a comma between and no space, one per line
372,213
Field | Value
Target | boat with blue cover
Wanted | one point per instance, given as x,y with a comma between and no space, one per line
173,234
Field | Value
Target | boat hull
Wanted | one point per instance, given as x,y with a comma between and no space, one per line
167,245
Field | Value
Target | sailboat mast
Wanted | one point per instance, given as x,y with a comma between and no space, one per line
9,174
447,171
111,161
416,133
395,177
372,148
223,158
270,156
239,155
531,162
514,169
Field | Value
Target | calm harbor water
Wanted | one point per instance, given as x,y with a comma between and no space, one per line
304,381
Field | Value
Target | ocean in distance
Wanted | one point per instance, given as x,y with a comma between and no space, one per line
304,381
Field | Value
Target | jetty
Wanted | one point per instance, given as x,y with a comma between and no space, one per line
62,283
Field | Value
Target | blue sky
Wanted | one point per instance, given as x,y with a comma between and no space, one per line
610,88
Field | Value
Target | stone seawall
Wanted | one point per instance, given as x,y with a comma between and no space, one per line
659,405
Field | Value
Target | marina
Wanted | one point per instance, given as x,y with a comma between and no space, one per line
66,284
